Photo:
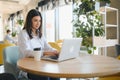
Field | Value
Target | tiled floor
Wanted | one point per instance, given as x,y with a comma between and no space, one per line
1,69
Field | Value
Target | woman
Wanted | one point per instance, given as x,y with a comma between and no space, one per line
31,37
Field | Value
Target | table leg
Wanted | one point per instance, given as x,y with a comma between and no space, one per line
79,79
68,79
74,79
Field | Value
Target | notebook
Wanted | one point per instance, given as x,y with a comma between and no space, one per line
70,49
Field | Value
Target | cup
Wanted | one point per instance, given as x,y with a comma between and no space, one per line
37,55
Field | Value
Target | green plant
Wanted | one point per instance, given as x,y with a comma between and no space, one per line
86,6
14,34
85,21
20,22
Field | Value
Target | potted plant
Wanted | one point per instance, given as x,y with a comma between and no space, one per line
86,22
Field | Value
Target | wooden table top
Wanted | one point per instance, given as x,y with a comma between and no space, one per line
85,66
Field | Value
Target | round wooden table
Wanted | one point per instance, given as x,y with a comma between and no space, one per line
85,66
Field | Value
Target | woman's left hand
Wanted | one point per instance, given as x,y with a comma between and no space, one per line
52,53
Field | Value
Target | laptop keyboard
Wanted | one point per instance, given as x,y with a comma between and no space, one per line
53,57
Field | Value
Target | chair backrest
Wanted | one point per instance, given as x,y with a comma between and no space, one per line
55,45
117,46
59,41
2,46
10,57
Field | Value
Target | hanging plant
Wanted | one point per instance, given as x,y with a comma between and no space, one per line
20,22
14,34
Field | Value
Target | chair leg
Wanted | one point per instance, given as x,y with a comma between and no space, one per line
68,79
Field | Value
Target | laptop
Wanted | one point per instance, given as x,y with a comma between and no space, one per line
70,49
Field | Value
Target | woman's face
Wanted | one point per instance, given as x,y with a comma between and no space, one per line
36,22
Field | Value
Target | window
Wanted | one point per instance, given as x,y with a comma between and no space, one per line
65,22
1,29
57,23
50,25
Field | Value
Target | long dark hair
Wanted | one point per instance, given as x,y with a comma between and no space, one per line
28,24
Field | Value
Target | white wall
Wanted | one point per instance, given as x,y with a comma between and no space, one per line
31,5
1,27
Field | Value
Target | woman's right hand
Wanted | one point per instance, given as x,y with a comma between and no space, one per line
51,53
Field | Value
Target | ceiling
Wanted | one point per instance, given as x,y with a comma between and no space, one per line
12,6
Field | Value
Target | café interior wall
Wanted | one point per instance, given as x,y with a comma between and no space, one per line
116,4
31,5
5,22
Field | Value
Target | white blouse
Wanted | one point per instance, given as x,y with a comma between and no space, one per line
26,45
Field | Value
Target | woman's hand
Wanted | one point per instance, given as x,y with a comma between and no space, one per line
51,53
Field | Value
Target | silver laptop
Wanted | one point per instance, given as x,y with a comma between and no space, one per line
70,49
